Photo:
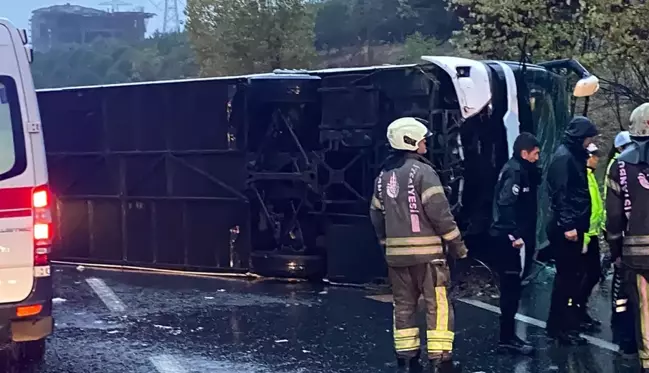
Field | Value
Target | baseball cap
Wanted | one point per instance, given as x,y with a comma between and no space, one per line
621,139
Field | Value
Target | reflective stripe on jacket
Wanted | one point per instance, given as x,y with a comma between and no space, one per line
608,172
627,220
597,208
411,214
606,182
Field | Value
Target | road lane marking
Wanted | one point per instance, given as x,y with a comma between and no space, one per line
106,295
387,298
167,364
541,324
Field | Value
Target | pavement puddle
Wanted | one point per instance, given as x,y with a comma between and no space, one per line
384,298
167,364
540,324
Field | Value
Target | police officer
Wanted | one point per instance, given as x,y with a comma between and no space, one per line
412,217
514,227
590,251
569,221
627,223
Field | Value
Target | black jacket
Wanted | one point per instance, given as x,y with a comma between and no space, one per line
627,211
567,183
515,200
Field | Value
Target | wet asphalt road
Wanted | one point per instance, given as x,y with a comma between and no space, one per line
110,321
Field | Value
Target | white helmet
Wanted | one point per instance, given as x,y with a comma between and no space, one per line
621,139
640,121
406,133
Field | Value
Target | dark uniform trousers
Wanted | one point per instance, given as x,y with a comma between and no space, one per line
565,307
509,271
623,315
592,270
408,285
627,226
637,282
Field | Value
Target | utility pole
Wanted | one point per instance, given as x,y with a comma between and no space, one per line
171,22
170,14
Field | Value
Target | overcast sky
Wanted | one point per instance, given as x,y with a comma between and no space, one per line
20,11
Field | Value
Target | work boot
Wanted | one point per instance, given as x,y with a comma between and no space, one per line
402,365
415,366
444,364
571,338
628,349
412,365
588,322
516,345
566,338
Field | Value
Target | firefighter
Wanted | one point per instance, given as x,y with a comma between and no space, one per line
569,221
590,250
513,228
622,141
622,317
627,224
412,217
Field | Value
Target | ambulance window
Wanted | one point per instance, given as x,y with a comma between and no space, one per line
12,142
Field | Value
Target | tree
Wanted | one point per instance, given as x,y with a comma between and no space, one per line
418,45
498,28
344,23
109,61
608,36
333,25
250,36
431,18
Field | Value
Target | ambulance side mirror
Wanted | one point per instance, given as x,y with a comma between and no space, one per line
586,87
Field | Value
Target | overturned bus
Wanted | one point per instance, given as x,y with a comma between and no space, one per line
272,173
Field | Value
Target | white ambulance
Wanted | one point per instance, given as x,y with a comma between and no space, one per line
25,202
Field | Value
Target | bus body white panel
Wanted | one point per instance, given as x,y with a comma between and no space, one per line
473,91
511,119
22,166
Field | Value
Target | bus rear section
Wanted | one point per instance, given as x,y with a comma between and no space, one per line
25,201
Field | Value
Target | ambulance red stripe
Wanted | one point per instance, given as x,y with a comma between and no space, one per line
15,202
15,213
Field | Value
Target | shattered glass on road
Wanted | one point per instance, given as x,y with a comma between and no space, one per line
189,324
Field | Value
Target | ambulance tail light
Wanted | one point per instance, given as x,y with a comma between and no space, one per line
42,211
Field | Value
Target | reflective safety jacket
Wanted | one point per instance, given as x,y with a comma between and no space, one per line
596,210
627,210
411,214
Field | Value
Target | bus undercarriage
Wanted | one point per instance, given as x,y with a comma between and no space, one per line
272,173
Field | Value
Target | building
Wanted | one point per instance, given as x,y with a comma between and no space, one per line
59,25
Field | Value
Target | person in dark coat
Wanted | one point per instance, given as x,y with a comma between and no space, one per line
513,228
570,209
